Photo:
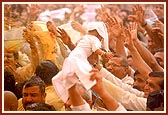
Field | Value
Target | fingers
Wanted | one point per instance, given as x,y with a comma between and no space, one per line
59,30
93,74
132,26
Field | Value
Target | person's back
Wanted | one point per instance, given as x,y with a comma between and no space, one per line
10,101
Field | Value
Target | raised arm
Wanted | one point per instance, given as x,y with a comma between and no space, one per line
117,29
142,67
108,100
147,56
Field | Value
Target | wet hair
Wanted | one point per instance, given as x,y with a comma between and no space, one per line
40,107
159,50
46,70
124,61
136,72
160,75
129,56
155,99
35,81
18,89
9,81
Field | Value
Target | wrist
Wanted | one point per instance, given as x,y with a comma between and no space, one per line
98,66
102,54
144,25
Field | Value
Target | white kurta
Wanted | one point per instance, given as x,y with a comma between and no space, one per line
77,63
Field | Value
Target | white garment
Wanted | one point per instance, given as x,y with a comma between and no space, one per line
129,100
84,107
120,108
118,82
77,64
102,30
128,80
23,59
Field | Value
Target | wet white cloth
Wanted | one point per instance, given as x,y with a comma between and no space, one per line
102,30
120,108
77,63
84,107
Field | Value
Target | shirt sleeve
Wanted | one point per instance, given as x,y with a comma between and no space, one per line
120,108
128,100
109,76
84,107
95,43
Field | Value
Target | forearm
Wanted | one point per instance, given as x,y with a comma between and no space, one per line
100,52
147,56
128,100
142,67
113,79
75,97
148,29
153,35
120,46
109,101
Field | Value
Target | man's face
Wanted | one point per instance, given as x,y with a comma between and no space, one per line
151,44
32,95
159,10
139,83
9,59
152,84
159,56
114,66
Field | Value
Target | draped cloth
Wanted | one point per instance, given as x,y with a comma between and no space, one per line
102,30
76,66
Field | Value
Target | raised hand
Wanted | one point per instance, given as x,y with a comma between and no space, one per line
133,29
159,36
51,27
78,27
115,28
159,24
138,15
64,36
131,34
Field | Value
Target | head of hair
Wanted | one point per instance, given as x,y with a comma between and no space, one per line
159,75
46,70
9,81
10,101
18,89
35,81
40,107
155,99
136,72
124,61
129,56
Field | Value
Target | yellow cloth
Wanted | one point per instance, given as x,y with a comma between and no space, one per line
20,106
23,73
53,99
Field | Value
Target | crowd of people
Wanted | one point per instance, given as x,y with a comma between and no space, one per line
85,57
